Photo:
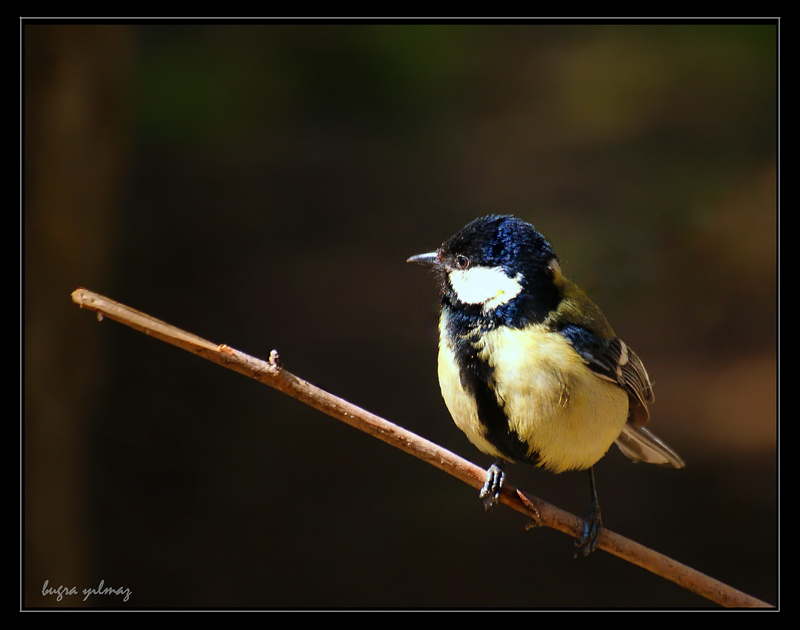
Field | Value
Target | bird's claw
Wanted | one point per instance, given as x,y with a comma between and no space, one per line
490,493
592,528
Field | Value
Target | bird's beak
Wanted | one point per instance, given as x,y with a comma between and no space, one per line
426,260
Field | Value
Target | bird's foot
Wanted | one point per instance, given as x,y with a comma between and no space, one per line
592,528
490,493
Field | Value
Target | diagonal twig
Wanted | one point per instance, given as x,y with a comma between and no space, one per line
541,513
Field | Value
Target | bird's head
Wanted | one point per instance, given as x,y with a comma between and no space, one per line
493,262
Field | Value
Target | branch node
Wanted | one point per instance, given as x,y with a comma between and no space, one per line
275,360
536,517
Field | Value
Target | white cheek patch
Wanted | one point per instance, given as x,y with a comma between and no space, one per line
490,286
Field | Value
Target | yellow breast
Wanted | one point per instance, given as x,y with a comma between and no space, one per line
553,402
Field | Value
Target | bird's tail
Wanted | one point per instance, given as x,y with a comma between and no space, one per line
642,446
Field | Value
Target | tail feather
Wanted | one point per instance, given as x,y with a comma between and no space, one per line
642,446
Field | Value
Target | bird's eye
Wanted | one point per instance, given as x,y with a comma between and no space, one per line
462,262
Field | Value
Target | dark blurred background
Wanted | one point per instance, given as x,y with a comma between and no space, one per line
263,185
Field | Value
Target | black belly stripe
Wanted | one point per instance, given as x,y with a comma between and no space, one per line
477,377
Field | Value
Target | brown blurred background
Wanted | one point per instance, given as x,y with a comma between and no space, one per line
262,186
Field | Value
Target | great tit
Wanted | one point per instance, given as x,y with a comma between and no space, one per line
529,367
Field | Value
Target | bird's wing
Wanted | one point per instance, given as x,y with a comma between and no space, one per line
613,360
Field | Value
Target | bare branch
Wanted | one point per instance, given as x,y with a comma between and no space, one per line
541,513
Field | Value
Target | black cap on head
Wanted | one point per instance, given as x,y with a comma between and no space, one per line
500,241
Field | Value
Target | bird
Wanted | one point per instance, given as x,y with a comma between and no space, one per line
529,367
